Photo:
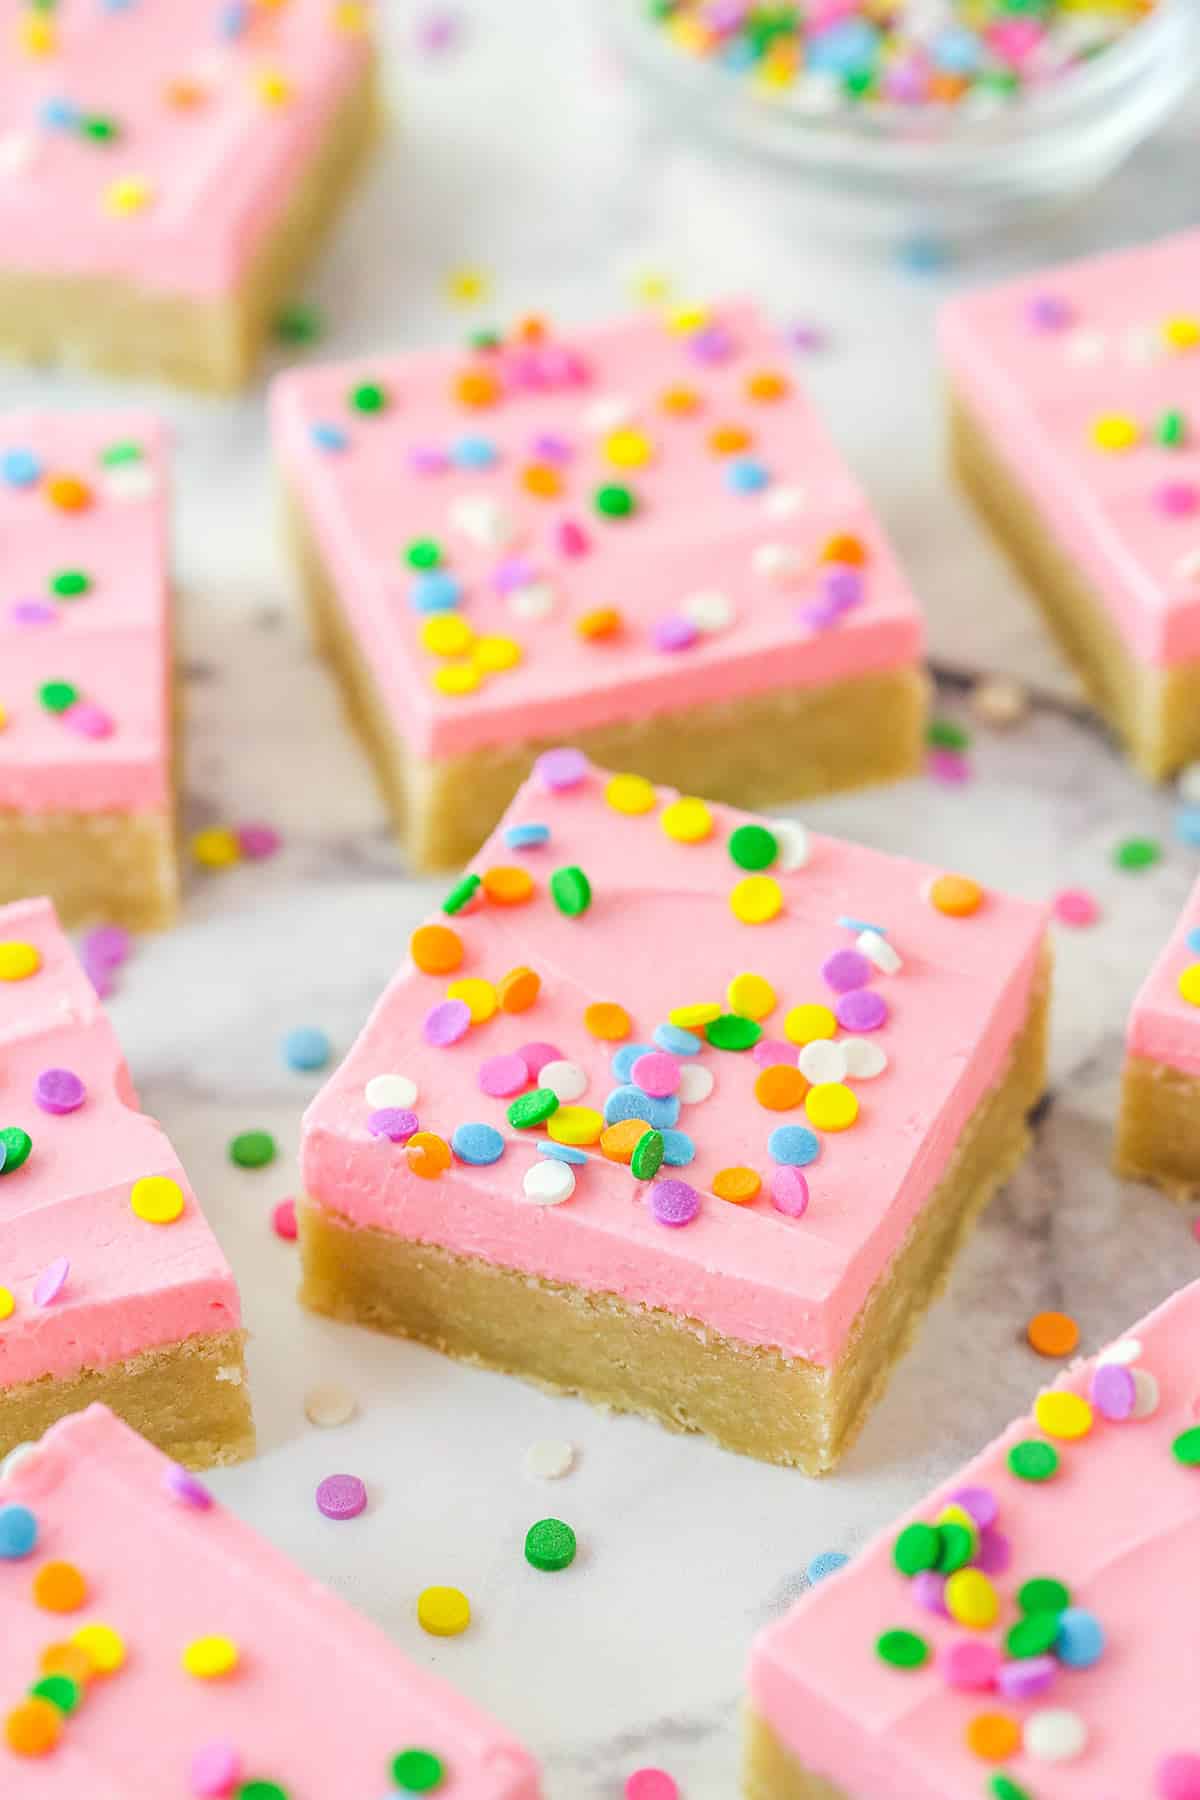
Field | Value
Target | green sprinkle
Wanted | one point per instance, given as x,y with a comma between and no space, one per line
461,893
902,1649
15,1146
486,338
550,1545
124,451
531,1109
1043,1594
418,1771
60,1690
615,501
1137,853
753,847
100,129
647,1156
261,1790
298,323
423,553
68,584
732,1032
252,1149
1186,1448
1171,430
946,734
368,397
1002,1787
1033,1635
571,891
57,696
958,1547
918,1547
1031,1460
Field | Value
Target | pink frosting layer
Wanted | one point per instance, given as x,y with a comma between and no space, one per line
1040,361
111,643
1119,1525
660,934
320,1702
213,121
132,1286
1163,1026
400,475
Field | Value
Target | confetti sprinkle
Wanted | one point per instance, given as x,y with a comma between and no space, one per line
550,1545
443,1611
329,1404
306,1048
341,1497
283,1220
1136,853
252,1149
1053,1334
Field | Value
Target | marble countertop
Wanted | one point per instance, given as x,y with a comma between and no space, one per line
561,190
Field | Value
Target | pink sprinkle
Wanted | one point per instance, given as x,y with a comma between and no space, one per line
1075,906
571,538
558,769
770,1051
216,1770
108,946
789,1191
651,1784
1196,1228
536,1056
673,632
447,1022
970,1666
283,1219
994,1554
256,841
88,720
948,766
1177,498
428,459
1177,1777
51,1282
501,1076
656,1073
341,1496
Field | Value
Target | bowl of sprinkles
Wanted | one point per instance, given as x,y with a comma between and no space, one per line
946,114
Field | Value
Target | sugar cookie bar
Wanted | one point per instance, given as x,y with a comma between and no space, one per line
1024,1633
679,1109
112,1286
87,807
1158,1130
637,538
1075,404
166,172
155,1645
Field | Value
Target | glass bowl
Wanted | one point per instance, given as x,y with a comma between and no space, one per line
937,170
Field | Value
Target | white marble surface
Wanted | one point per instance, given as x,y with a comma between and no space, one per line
560,188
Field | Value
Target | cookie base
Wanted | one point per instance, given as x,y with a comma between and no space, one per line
117,868
635,1358
771,1772
191,1399
1158,1131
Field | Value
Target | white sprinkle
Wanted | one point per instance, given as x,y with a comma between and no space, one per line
608,413
792,838
548,1182
483,521
1086,347
329,1404
1188,566
784,502
390,1090
1125,1350
695,1083
864,1059
1188,785
17,1455
130,481
1055,1735
822,1060
17,152
1142,344
708,610
533,602
566,1079
1145,1385
999,701
779,562
877,950
548,1460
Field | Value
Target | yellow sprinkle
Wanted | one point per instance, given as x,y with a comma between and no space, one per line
1182,332
958,1515
456,678
687,820
627,449
38,35
578,1125
445,634
691,1018
651,287
216,848
464,286
157,1199
3,718
443,1611
1189,984
806,1023
752,996
755,899
103,1647
1063,1415
831,1106
687,319
7,1303
494,654
480,996
208,1658
128,194
1115,431
630,794
971,1599
350,16
18,960
274,88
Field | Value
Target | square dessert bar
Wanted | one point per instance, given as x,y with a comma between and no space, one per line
1075,404
1028,1631
678,1109
166,172
87,811
153,1645
639,539
1158,1131
112,1286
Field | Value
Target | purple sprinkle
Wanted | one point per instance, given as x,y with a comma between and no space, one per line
548,446
817,615
846,969
980,1502
806,336
438,31
949,766
726,15
59,1091
32,612
88,719
1048,312
536,1056
558,769
674,1202
107,947
906,83
673,633
215,1771
256,841
501,1076
428,459
994,1554
571,538
1114,1391
789,1191
1026,1678
842,586
447,1022
861,1010
713,344
100,978
929,1590
396,1123
513,573
182,1485
769,1051
341,1496
51,1281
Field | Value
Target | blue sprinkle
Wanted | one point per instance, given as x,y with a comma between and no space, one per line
678,1041
825,1564
3,1155
477,1143
923,256
631,1103
958,50
307,1047
1187,826
18,1532
526,837
232,19
1193,939
678,1149
20,468
1080,1640
328,437
436,591
57,114
746,476
848,924
562,1152
846,48
795,1145
474,453
624,1059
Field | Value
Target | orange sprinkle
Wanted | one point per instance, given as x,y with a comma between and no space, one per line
618,1142
507,886
844,547
184,94
532,328
956,895
59,1587
680,400
69,1660
780,1086
944,86
601,622
993,1736
541,479
68,493
738,1184
1053,1333
428,1155
33,1728
435,949
766,384
728,438
476,387
518,990
606,1019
